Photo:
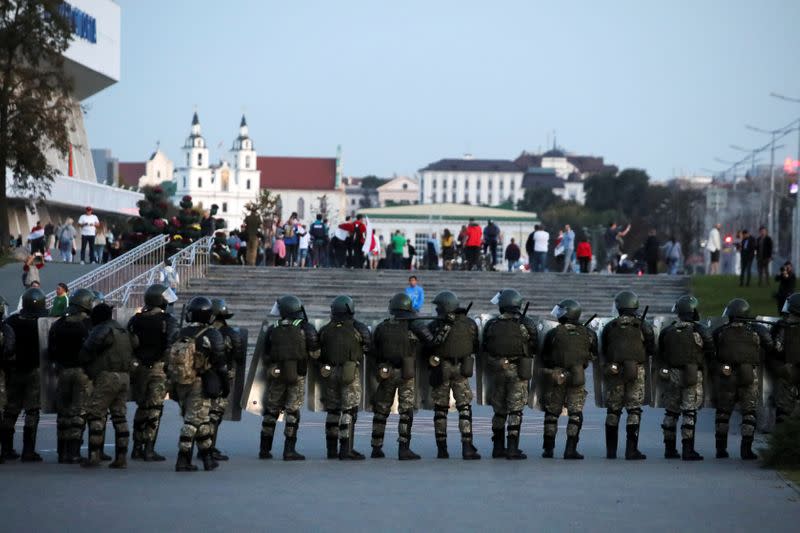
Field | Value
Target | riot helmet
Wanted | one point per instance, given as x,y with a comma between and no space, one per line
343,306
154,296
567,311
220,309
792,304
686,308
34,302
198,310
446,302
626,301
400,302
737,308
288,306
508,301
83,300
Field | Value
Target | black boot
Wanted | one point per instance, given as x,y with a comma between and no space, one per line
469,452
377,452
722,447
747,449
549,444
404,452
498,443
353,453
347,453
29,454
137,451
184,462
265,450
61,447
149,454
93,458
571,451
7,444
208,460
632,452
688,451
513,452
331,444
441,450
289,453
121,459
612,437
216,453
72,452
670,448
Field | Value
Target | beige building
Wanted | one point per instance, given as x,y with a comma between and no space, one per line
158,169
401,190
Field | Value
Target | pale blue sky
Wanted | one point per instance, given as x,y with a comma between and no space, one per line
664,86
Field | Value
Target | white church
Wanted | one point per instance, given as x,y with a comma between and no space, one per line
230,186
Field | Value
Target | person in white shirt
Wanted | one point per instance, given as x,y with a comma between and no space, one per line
541,242
714,245
88,223
304,240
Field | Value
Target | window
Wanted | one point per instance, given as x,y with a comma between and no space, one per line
184,182
199,182
158,174
247,162
200,159
248,185
420,243
188,160
405,186
224,207
301,208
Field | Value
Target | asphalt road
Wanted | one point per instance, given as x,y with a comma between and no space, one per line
386,495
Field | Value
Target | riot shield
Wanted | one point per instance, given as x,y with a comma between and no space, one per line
598,365
49,373
766,408
314,381
256,383
712,323
483,375
123,315
233,411
540,376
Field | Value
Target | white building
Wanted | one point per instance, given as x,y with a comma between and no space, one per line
158,169
228,185
401,190
471,181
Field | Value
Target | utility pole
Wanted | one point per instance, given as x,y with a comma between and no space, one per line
796,225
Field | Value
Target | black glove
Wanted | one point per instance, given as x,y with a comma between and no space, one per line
212,385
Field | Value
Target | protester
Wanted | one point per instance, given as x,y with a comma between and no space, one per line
303,241
88,223
398,246
491,236
319,242
512,255
416,293
673,255
763,255
30,270
568,242
374,251
207,224
537,246
448,249
786,284
651,252
279,250
99,243
49,236
714,246
290,239
61,301
339,244
472,244
613,239
36,239
584,254
558,251
66,234
747,252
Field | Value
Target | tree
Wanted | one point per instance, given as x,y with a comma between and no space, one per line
622,192
538,199
261,215
371,182
35,101
154,212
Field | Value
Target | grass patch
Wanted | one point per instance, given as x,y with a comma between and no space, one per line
714,293
6,259
792,475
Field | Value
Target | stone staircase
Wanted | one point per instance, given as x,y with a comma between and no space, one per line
251,291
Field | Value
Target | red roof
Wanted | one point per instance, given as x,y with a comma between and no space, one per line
318,173
129,173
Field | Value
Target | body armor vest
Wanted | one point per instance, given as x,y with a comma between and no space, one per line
791,343
571,346
393,341
506,337
287,341
459,342
340,342
67,336
116,357
624,340
26,332
151,330
738,344
682,345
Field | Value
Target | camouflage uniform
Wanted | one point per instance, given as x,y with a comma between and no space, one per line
108,348
508,340
568,348
156,331
738,345
288,345
6,355
344,342
455,343
235,353
784,364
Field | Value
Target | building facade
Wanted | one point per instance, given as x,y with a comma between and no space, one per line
401,190
471,181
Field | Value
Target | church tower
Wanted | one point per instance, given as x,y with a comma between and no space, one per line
195,151
247,177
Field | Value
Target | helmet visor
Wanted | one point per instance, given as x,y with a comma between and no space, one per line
275,311
495,300
170,296
558,312
785,308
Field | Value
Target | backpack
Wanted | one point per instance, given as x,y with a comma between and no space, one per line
682,345
185,362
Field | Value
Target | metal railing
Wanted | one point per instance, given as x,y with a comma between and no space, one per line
121,270
190,263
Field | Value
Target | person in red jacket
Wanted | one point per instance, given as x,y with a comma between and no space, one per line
472,246
584,254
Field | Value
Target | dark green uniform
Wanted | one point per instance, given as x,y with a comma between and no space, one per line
784,363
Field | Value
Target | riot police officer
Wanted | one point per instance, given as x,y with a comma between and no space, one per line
7,348
22,378
286,349
684,346
784,360
568,348
108,351
739,345
511,341
66,338
396,344
235,353
627,343
156,330
343,343
451,365
197,374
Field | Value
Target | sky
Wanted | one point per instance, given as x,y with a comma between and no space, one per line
663,86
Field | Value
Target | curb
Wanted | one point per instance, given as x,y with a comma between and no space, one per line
788,482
